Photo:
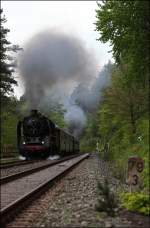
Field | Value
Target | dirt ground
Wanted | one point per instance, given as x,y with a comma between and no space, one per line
137,220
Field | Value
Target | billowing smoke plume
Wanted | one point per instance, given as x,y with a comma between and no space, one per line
89,98
50,58
84,100
57,67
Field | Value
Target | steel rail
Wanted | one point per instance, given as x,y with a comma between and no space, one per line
15,163
18,175
9,212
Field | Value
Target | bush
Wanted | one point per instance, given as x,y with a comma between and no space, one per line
107,201
119,170
8,128
137,202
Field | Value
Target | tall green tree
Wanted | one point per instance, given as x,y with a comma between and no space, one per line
125,24
126,102
7,62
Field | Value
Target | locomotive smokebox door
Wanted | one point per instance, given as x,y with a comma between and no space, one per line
135,167
34,112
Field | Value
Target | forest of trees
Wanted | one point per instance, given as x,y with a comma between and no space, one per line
122,119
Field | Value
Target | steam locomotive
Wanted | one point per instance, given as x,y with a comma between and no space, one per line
39,137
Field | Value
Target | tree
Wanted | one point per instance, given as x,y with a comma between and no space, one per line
126,25
56,114
7,63
126,101
123,115
90,136
9,119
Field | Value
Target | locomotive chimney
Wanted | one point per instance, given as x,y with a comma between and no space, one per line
34,112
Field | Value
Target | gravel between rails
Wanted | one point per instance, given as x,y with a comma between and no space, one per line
16,169
71,202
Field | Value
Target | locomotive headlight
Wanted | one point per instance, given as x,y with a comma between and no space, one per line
23,143
42,142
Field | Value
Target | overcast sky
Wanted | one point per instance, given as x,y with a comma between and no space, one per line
26,18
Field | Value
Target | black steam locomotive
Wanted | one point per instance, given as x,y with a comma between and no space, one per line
37,136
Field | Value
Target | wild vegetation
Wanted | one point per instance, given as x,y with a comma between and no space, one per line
8,102
138,201
122,120
107,201
7,63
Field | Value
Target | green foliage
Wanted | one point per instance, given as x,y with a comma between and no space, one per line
9,119
57,116
107,201
119,170
90,136
139,202
9,124
124,145
126,25
56,112
121,122
7,64
122,119
16,110
53,111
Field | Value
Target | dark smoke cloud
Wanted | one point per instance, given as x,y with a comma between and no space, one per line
57,68
50,58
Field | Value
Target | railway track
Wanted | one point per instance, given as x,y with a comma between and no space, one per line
19,191
9,171
14,163
40,166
